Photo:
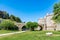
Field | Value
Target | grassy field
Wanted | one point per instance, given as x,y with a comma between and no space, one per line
33,35
6,31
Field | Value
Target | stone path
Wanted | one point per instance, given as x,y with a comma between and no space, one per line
11,33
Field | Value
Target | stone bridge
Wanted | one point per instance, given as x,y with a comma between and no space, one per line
20,25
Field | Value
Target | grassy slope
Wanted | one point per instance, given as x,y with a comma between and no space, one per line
36,35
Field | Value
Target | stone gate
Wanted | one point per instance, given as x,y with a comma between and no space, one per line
20,25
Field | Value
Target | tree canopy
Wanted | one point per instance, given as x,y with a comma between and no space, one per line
6,24
31,25
17,19
56,10
5,15
12,17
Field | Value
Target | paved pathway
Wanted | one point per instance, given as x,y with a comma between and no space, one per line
6,34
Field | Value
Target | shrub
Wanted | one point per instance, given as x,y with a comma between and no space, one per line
7,25
31,25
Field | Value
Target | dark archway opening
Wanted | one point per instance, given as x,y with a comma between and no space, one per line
41,28
24,28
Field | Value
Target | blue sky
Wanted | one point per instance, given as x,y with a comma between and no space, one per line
28,10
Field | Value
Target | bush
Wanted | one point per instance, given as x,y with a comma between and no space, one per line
31,25
8,25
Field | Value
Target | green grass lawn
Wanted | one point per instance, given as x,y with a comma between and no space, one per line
6,31
32,35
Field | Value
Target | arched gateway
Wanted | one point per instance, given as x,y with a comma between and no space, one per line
20,25
41,27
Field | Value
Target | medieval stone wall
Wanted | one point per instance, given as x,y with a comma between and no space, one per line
48,22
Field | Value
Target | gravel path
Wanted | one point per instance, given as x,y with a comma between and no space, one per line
6,34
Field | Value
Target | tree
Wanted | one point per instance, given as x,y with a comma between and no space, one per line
31,25
1,14
56,16
12,17
17,19
6,24
6,15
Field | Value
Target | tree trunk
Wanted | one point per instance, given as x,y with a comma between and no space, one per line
32,28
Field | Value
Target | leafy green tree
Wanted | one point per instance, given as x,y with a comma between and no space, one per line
31,25
56,16
17,19
6,15
12,17
1,14
6,24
